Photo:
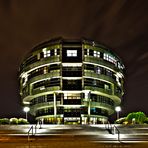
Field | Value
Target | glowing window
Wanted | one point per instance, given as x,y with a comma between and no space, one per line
71,53
46,52
110,58
55,51
98,70
96,54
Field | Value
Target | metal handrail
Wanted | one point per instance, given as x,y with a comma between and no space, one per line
113,129
118,132
31,129
109,126
40,124
35,129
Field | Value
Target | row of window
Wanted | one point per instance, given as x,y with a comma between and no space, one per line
94,53
72,71
48,53
60,110
97,83
72,68
30,60
45,111
71,112
72,102
106,56
98,111
66,71
100,70
42,99
43,70
102,99
72,96
72,84
44,54
73,53
50,98
71,99
47,83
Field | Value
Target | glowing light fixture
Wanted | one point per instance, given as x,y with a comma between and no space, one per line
26,110
117,109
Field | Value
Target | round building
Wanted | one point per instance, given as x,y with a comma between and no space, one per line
71,82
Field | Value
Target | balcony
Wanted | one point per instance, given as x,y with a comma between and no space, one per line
99,76
44,104
54,73
100,61
105,91
38,90
72,114
72,102
108,107
118,94
42,62
105,105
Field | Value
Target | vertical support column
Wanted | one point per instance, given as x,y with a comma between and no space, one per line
89,107
55,107
113,89
21,86
30,89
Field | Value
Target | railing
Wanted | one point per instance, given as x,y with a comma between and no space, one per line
53,73
108,126
105,105
99,76
52,88
100,61
113,130
118,132
31,129
42,62
98,89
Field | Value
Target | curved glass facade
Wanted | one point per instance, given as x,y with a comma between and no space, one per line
71,82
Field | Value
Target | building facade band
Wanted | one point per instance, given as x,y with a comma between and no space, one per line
71,82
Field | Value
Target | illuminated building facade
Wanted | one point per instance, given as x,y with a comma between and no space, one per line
71,82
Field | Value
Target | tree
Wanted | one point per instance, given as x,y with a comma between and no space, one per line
146,120
137,117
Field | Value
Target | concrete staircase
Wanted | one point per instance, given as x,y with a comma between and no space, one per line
92,133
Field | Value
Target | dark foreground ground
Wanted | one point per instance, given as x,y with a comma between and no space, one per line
70,144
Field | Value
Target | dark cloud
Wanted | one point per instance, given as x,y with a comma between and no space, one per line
120,25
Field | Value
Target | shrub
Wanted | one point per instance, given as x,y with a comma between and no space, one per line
121,120
4,121
22,121
13,121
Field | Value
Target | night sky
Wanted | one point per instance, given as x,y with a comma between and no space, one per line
121,25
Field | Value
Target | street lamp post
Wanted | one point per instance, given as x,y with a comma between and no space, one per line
118,109
26,110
